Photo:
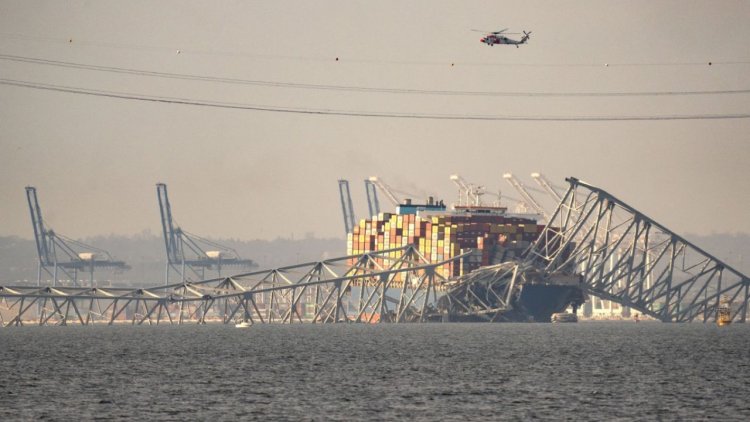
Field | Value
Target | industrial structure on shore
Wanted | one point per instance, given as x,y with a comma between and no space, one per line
190,255
428,263
61,257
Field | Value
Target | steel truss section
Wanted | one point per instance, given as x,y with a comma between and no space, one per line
486,293
395,285
626,257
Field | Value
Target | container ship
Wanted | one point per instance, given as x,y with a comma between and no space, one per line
490,235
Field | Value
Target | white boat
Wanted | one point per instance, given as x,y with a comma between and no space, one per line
564,317
243,324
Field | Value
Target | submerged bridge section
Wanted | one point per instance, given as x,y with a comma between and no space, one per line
624,256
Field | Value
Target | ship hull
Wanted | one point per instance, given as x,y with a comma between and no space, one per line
534,303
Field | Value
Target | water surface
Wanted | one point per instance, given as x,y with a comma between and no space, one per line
585,371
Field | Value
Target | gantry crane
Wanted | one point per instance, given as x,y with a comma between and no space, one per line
187,252
521,189
387,191
472,193
58,253
346,205
551,189
372,198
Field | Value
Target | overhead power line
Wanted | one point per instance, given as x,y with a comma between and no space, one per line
140,72
189,50
237,106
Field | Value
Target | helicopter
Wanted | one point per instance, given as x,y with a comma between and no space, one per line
492,38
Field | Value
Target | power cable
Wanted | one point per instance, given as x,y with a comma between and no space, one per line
71,41
167,75
236,106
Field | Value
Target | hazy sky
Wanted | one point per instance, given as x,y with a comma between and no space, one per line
253,174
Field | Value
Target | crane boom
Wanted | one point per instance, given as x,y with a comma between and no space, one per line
547,186
170,236
372,198
40,234
518,186
385,189
471,192
463,188
346,205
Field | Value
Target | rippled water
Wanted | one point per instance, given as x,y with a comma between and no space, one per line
585,371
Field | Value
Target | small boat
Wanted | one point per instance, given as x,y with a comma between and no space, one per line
243,324
564,317
724,312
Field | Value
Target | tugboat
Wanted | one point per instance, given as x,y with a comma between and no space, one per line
724,312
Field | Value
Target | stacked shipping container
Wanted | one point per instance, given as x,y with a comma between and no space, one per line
491,238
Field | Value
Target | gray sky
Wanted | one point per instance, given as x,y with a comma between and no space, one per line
252,174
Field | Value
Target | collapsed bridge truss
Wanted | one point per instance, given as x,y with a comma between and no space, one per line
626,257
395,285
608,248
